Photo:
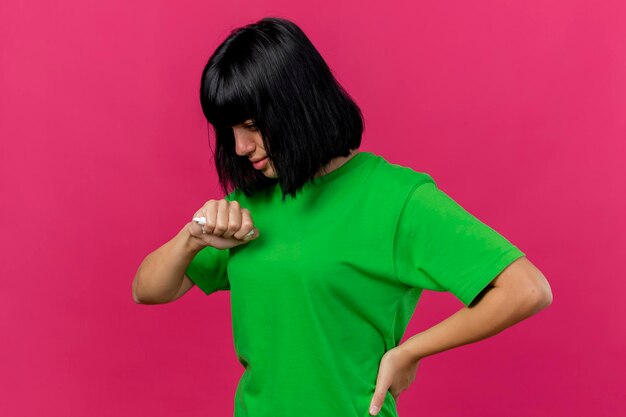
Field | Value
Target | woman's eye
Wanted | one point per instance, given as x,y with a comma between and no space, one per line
253,127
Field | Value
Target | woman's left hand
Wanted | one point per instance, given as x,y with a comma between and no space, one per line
396,373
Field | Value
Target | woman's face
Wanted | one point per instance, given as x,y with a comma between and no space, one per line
248,143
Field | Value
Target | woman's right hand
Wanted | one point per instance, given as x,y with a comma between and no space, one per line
227,224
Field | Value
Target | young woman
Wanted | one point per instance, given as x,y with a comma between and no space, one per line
326,249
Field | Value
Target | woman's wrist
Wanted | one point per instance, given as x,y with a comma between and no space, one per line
411,348
192,244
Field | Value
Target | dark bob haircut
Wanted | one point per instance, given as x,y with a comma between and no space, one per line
270,72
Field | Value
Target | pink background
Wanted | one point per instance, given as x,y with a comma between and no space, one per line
517,109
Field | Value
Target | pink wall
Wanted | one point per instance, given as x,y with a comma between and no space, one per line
517,109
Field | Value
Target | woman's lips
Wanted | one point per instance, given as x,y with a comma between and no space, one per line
260,164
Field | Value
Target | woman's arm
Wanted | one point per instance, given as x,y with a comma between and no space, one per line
518,292
161,275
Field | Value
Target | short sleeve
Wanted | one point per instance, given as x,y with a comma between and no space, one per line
208,268
440,246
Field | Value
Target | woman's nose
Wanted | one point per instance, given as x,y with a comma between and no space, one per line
243,145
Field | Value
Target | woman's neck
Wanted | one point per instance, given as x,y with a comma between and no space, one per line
335,163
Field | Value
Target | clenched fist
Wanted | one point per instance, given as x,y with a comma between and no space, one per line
227,225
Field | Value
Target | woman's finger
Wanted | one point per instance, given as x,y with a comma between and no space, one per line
234,219
246,231
205,218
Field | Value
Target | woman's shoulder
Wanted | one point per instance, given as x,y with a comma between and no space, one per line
390,173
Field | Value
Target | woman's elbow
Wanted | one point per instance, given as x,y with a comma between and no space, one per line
536,287
540,294
544,292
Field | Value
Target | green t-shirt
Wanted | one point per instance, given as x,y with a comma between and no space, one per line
331,282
